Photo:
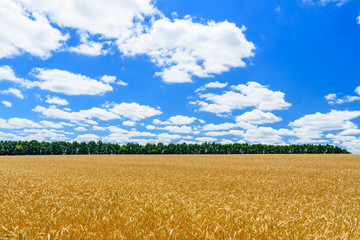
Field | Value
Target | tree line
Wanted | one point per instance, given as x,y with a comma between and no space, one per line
71,148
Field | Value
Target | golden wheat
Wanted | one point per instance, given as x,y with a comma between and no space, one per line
180,197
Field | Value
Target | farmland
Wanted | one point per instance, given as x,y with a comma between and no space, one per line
180,197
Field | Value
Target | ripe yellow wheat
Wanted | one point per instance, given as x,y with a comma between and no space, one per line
180,197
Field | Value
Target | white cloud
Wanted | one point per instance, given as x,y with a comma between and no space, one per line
358,20
7,74
223,133
120,135
26,31
80,129
53,112
13,91
56,100
167,138
258,117
43,135
332,98
357,90
112,79
266,135
129,123
108,79
183,48
226,141
353,131
335,120
177,120
110,18
8,136
97,128
310,128
150,127
206,139
324,2
121,83
250,95
134,111
68,83
215,84
87,138
216,127
352,144
177,129
7,104
88,47
17,123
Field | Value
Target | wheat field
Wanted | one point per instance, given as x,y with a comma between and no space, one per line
180,197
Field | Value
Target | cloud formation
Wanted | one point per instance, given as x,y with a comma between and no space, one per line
24,31
68,83
183,48
243,96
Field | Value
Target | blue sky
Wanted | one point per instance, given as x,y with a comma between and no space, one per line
272,72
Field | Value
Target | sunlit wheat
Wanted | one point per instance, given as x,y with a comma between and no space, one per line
180,197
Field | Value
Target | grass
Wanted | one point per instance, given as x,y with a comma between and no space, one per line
180,197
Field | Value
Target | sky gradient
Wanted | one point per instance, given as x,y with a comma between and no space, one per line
271,72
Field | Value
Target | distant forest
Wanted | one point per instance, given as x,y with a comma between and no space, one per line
71,148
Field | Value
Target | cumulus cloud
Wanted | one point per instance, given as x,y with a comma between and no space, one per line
87,138
183,48
13,91
88,47
56,100
80,129
150,127
310,128
7,74
134,111
223,133
266,135
335,120
110,18
108,79
120,135
353,131
68,83
54,112
49,124
324,2
332,98
358,20
176,120
250,95
129,123
215,84
112,79
7,103
17,123
177,129
43,135
258,117
216,127
26,31
206,139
